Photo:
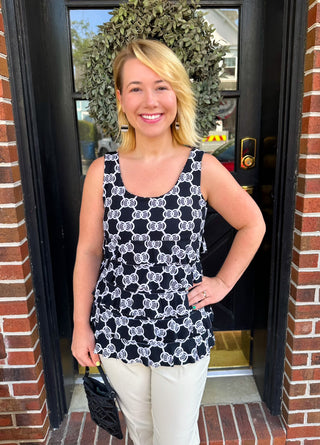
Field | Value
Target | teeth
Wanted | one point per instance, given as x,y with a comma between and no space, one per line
151,116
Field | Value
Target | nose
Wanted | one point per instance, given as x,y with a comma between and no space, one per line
150,98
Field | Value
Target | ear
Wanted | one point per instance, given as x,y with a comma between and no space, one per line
118,94
119,99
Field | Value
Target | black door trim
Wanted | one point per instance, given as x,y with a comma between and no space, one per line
291,90
34,201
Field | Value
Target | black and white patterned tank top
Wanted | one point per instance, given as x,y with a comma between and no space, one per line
151,257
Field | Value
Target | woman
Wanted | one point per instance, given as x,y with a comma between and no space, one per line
141,234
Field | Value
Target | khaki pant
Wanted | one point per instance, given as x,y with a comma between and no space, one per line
160,405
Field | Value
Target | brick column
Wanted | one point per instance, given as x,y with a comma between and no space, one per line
23,408
301,394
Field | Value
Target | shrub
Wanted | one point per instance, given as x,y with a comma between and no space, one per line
87,131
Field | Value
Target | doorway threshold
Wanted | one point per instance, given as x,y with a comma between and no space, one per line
232,386
229,372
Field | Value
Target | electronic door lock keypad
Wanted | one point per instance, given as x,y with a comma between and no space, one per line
248,153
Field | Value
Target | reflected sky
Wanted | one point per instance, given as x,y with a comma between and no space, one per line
93,17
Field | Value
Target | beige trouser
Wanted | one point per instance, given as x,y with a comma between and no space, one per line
160,405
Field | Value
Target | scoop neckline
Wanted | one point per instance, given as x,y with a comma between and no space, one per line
153,197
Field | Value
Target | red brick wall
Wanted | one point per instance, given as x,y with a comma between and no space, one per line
301,394
23,408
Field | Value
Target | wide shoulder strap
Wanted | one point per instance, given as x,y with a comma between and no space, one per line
195,165
110,162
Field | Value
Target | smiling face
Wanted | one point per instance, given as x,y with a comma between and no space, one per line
148,101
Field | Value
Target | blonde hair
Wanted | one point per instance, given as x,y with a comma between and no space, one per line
158,57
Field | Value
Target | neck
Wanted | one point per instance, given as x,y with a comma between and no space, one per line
154,147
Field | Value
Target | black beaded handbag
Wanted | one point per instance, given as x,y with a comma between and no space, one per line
101,400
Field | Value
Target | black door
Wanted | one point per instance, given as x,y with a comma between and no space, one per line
67,150
56,30
237,26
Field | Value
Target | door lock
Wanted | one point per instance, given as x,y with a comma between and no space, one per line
248,153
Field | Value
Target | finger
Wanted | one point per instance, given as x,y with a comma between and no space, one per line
197,296
89,362
199,301
194,286
199,305
82,362
194,291
85,359
203,301
94,359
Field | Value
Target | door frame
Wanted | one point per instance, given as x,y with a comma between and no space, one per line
290,109
25,119
28,135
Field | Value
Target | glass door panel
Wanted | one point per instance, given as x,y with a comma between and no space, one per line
226,24
220,141
84,24
232,350
92,141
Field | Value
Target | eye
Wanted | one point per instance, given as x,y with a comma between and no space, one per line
162,88
135,90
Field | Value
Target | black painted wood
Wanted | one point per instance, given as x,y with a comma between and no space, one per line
26,120
291,87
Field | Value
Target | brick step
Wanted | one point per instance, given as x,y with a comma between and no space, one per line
245,424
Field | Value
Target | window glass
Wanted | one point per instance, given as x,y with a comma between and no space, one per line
221,141
92,142
84,24
226,24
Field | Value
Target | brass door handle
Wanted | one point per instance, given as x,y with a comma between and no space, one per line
248,153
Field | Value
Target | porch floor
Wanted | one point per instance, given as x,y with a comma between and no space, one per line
241,418
246,424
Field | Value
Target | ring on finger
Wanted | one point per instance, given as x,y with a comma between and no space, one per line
204,294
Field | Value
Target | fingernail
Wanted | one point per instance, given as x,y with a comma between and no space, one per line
194,307
97,363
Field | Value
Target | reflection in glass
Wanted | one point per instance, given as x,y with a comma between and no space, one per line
226,24
221,141
93,143
84,25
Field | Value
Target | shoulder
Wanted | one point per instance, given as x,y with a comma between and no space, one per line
214,176
210,164
96,167
94,176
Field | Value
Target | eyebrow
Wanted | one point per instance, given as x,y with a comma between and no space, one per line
137,82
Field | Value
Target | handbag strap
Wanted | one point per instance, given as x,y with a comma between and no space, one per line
104,378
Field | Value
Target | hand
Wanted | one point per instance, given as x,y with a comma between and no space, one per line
208,291
83,343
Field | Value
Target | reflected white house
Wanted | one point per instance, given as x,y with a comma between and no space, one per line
225,22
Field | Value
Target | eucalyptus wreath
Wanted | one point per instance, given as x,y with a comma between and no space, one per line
182,27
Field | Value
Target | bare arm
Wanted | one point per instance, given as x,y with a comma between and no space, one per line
88,260
228,198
